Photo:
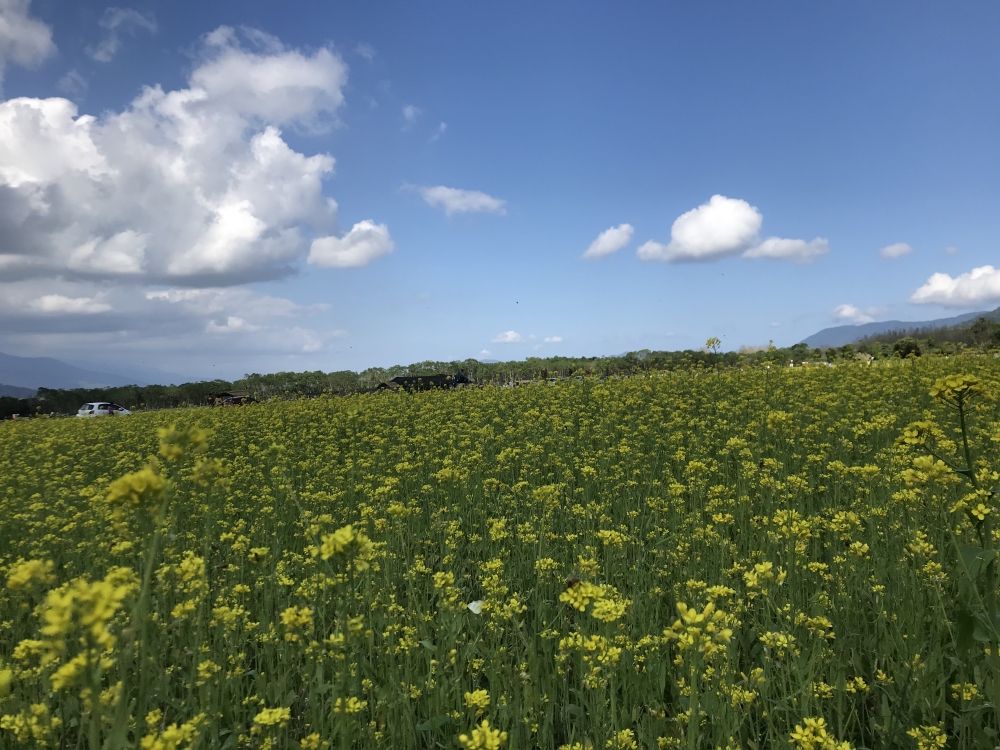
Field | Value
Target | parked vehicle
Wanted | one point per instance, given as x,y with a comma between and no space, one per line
238,400
102,409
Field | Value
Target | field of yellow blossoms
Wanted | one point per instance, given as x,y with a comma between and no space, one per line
761,558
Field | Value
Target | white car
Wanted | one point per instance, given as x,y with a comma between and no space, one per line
102,409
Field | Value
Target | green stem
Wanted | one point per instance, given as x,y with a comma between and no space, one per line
692,727
965,445
135,634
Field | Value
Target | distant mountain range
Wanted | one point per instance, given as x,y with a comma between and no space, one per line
45,372
840,335
13,391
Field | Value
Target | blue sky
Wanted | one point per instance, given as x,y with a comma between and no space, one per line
475,152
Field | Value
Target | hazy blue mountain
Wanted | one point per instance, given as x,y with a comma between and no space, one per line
14,391
139,374
840,335
45,372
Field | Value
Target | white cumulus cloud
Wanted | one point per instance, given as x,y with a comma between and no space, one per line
610,241
456,201
364,243
553,339
23,40
508,337
115,21
193,184
978,286
898,250
852,314
138,229
724,227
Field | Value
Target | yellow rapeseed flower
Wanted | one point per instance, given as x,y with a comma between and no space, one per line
483,738
27,574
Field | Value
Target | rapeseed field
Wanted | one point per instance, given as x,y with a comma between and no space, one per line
761,558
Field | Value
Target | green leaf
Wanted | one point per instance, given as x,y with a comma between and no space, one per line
433,724
573,710
982,631
976,558
965,628
427,644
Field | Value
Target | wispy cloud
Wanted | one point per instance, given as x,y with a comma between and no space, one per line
439,132
456,201
851,314
897,250
410,114
72,84
114,22
59,304
610,241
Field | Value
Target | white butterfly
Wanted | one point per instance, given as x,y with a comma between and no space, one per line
477,606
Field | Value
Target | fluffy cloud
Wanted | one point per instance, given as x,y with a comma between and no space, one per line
365,242
553,339
508,337
797,251
455,201
195,184
897,250
23,40
115,21
725,227
852,314
610,241
951,250
978,286
135,231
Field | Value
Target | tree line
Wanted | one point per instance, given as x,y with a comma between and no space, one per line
983,335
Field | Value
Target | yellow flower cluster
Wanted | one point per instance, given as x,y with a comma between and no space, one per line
27,574
608,605
483,737
183,736
704,631
955,389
